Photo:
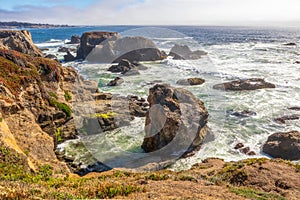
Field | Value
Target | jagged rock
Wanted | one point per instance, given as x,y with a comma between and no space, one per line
20,41
297,62
75,39
130,48
138,107
247,84
191,81
174,113
287,118
89,40
183,52
239,146
69,57
117,81
283,145
63,49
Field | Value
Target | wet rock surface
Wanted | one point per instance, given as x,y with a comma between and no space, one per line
286,118
241,114
247,84
117,81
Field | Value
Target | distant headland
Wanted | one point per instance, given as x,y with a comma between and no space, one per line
19,25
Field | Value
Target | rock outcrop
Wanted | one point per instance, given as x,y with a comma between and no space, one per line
283,145
20,41
69,57
89,40
183,52
191,81
247,84
176,118
130,48
75,39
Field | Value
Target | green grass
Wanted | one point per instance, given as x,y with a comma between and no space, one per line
1,119
68,96
61,106
52,94
157,177
58,135
254,194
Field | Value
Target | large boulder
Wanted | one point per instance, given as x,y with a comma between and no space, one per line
89,40
20,41
176,119
130,48
183,52
283,145
247,84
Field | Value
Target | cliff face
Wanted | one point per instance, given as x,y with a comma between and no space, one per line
20,41
35,95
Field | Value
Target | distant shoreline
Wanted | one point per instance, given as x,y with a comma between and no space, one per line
19,25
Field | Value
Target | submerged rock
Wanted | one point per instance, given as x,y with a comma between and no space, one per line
247,84
290,44
296,108
241,114
283,119
283,145
183,52
176,119
191,81
117,81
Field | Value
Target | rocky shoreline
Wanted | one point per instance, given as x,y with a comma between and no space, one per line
41,100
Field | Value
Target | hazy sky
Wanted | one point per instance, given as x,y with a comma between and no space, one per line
153,12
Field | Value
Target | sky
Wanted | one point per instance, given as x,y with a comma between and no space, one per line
153,12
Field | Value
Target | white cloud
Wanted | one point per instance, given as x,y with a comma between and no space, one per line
160,12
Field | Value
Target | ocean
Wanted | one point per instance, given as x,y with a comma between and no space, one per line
233,53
